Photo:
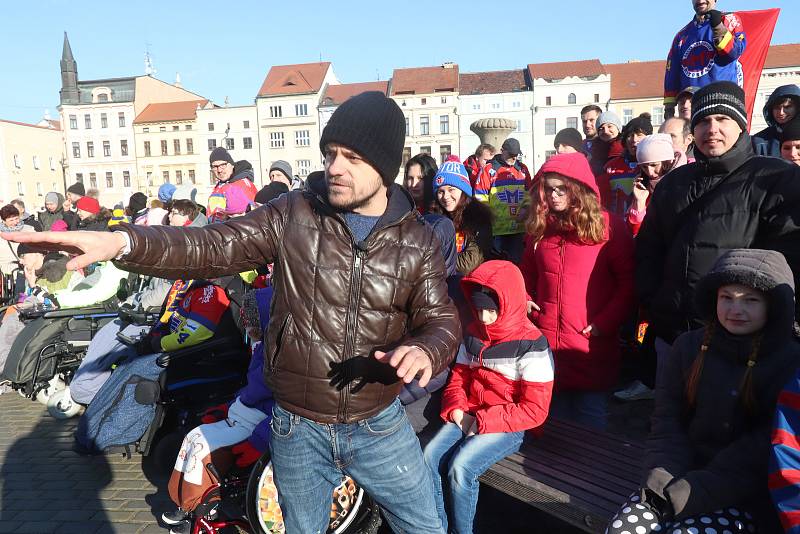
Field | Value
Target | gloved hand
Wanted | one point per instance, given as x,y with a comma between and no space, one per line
148,345
245,454
214,414
715,17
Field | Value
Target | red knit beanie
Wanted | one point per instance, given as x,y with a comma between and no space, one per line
89,204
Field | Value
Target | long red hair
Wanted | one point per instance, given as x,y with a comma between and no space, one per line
584,216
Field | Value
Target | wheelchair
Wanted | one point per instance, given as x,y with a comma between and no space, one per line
46,353
247,499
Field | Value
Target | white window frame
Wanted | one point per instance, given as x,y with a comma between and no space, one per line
276,140
302,138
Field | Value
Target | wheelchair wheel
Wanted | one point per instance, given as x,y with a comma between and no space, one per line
55,386
61,406
352,510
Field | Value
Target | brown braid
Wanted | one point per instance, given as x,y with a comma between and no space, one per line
696,370
746,388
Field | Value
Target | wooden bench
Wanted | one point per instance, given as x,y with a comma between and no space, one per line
575,474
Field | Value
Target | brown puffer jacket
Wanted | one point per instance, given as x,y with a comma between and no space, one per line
335,301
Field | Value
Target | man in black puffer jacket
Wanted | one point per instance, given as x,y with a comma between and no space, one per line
729,198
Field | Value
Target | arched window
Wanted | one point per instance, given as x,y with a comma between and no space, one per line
571,99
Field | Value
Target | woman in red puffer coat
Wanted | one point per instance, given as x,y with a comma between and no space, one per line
578,267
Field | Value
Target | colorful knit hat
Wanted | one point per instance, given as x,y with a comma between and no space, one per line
453,173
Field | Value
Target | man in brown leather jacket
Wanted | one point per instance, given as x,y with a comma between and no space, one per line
360,308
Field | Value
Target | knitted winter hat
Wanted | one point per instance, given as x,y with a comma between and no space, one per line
608,117
51,198
719,98
485,299
165,192
453,173
185,192
790,131
137,202
59,226
655,147
372,125
270,191
220,154
511,146
77,189
638,124
570,137
282,166
88,204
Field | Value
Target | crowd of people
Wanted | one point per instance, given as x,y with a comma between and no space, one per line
409,336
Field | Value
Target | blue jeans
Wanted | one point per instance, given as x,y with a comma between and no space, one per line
587,408
382,455
461,461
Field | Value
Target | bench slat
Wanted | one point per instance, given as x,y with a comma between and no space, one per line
544,498
576,474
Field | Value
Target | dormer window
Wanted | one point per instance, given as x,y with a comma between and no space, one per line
101,95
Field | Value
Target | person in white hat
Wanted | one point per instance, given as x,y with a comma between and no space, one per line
656,157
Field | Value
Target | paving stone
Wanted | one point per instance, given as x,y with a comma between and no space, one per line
35,515
80,527
119,515
152,529
121,528
38,527
145,517
9,526
74,515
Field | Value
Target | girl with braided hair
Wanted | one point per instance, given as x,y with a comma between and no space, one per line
709,446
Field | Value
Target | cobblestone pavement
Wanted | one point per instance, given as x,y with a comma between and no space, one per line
48,488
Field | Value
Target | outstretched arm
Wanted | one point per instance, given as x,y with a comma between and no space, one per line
175,252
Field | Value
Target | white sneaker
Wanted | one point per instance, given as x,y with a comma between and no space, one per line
635,391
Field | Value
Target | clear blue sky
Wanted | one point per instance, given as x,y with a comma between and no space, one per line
226,48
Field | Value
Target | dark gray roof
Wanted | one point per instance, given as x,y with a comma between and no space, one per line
122,89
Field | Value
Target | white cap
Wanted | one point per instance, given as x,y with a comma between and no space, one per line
655,147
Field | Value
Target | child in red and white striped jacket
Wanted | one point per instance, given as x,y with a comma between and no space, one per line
500,387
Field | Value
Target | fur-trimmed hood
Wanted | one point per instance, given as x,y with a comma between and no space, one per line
764,270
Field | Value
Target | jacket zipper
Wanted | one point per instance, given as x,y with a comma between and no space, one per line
560,287
350,327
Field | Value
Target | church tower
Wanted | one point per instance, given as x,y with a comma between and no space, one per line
69,75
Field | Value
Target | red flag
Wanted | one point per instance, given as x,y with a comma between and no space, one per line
758,26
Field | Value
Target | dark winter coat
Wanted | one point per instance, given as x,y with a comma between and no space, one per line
46,218
703,210
31,221
336,300
715,454
96,223
474,238
767,141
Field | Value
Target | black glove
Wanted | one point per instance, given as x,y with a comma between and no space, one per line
148,345
715,17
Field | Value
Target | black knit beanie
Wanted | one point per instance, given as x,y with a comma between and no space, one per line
790,131
137,203
372,125
642,124
720,98
570,137
485,299
77,189
220,154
